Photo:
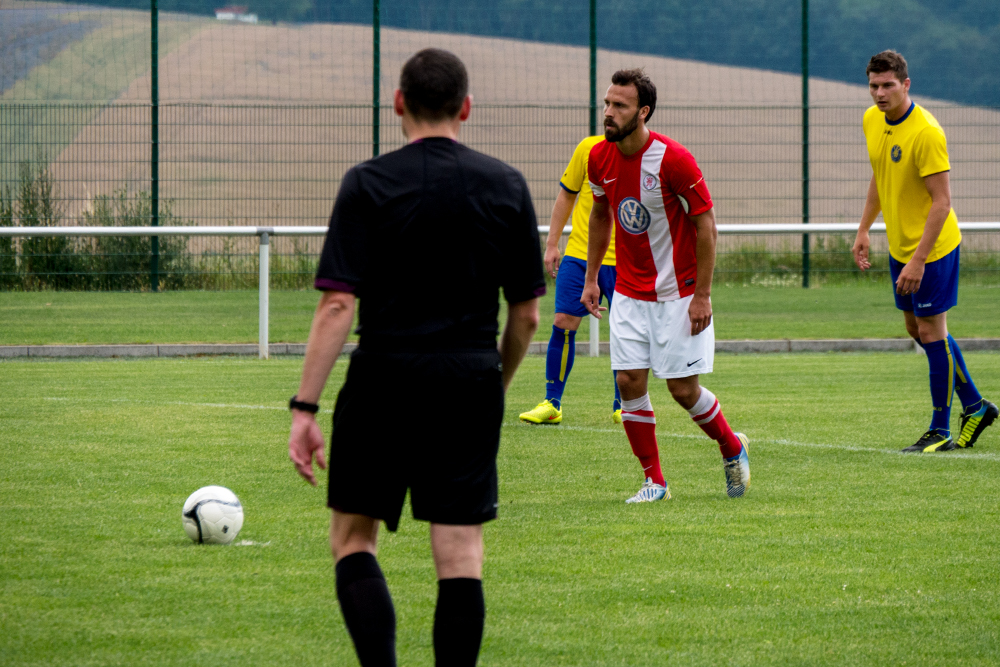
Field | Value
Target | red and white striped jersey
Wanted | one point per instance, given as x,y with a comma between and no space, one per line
652,195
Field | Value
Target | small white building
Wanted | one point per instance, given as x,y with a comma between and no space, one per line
235,13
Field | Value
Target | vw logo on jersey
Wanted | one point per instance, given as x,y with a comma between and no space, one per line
633,216
649,181
896,153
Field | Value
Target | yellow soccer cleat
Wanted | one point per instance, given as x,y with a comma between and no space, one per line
974,423
616,416
543,413
932,441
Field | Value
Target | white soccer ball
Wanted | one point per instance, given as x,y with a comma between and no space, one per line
212,515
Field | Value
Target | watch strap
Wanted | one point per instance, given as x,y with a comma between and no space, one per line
295,404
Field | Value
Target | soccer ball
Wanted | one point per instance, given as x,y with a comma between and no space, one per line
212,515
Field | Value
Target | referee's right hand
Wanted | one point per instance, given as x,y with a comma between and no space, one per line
305,440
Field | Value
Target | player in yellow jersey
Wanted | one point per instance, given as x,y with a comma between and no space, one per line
569,272
910,186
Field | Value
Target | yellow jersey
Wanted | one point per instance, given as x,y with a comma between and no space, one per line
903,153
574,180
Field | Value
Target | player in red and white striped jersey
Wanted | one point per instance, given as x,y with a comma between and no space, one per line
650,186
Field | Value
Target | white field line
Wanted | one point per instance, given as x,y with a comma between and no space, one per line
238,406
982,456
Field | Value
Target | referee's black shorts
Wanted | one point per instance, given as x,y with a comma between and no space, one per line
389,435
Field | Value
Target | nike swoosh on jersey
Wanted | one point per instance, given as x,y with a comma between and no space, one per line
606,181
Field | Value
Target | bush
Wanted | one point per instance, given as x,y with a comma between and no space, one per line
125,262
8,253
45,261
102,263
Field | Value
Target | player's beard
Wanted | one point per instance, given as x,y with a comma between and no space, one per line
614,134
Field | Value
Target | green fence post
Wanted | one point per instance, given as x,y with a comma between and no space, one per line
805,140
154,160
376,74
595,324
593,67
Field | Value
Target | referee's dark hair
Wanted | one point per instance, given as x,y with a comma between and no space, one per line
434,83
888,61
643,85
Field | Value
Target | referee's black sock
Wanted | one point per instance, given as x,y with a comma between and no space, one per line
458,622
367,608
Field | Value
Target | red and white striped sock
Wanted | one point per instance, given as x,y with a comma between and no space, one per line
707,413
640,427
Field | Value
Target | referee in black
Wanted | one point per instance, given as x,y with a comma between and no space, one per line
425,237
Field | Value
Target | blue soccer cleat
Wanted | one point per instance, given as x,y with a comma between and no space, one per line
649,493
737,470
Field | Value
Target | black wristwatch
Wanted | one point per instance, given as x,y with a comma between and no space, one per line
295,404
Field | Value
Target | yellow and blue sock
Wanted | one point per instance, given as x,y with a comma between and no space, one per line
942,376
964,387
558,363
617,405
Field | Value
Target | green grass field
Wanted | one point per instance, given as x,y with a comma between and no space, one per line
36,318
843,552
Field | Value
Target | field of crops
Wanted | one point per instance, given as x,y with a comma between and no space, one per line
259,123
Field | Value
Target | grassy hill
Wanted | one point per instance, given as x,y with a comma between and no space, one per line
48,105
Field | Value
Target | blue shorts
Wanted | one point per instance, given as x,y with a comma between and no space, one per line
938,290
569,285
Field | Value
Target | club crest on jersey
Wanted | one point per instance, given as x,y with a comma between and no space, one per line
633,216
649,181
896,153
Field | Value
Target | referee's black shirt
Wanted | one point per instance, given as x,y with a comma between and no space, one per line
426,236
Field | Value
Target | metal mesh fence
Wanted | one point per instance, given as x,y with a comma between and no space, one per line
257,123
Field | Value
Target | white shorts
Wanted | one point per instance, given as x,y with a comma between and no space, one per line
657,335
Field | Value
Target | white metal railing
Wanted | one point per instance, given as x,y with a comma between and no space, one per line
264,234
